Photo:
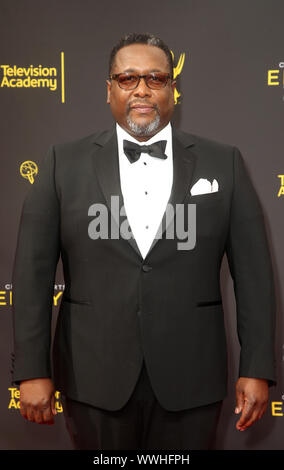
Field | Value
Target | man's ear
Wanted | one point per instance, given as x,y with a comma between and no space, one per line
108,90
173,85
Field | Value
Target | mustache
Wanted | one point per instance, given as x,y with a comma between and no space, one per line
144,103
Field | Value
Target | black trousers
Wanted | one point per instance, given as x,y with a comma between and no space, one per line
142,424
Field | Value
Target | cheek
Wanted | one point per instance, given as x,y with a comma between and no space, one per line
119,103
166,101
166,105
118,106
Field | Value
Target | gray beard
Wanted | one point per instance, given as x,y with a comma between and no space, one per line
147,129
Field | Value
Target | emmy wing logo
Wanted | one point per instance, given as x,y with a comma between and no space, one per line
177,71
28,170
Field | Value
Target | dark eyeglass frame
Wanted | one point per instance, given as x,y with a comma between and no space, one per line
146,77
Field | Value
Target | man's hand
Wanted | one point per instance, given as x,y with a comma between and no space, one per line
251,399
37,400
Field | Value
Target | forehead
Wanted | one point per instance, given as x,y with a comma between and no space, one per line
140,58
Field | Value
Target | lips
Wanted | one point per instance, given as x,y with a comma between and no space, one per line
142,108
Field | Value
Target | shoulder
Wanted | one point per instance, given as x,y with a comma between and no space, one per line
202,143
82,144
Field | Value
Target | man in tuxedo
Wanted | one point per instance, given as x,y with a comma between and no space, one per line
139,352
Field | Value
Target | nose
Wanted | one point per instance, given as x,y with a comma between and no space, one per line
142,89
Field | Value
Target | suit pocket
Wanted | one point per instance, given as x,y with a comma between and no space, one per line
75,301
206,197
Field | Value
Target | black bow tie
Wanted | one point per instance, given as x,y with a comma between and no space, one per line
133,151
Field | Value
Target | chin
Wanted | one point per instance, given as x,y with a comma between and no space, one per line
143,127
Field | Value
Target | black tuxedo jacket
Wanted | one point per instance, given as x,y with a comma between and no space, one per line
118,307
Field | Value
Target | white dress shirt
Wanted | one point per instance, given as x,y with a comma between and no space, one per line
146,186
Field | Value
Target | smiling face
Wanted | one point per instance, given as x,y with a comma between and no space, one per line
141,112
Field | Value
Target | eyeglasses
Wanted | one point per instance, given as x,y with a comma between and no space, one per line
130,81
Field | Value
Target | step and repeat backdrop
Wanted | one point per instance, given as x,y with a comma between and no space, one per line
229,65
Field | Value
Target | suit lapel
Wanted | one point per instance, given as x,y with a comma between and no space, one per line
183,168
107,170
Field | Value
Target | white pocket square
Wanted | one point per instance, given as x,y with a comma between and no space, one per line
203,186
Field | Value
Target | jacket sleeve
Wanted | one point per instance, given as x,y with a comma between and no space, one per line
251,270
34,270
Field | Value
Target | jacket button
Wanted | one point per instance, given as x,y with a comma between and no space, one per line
146,268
